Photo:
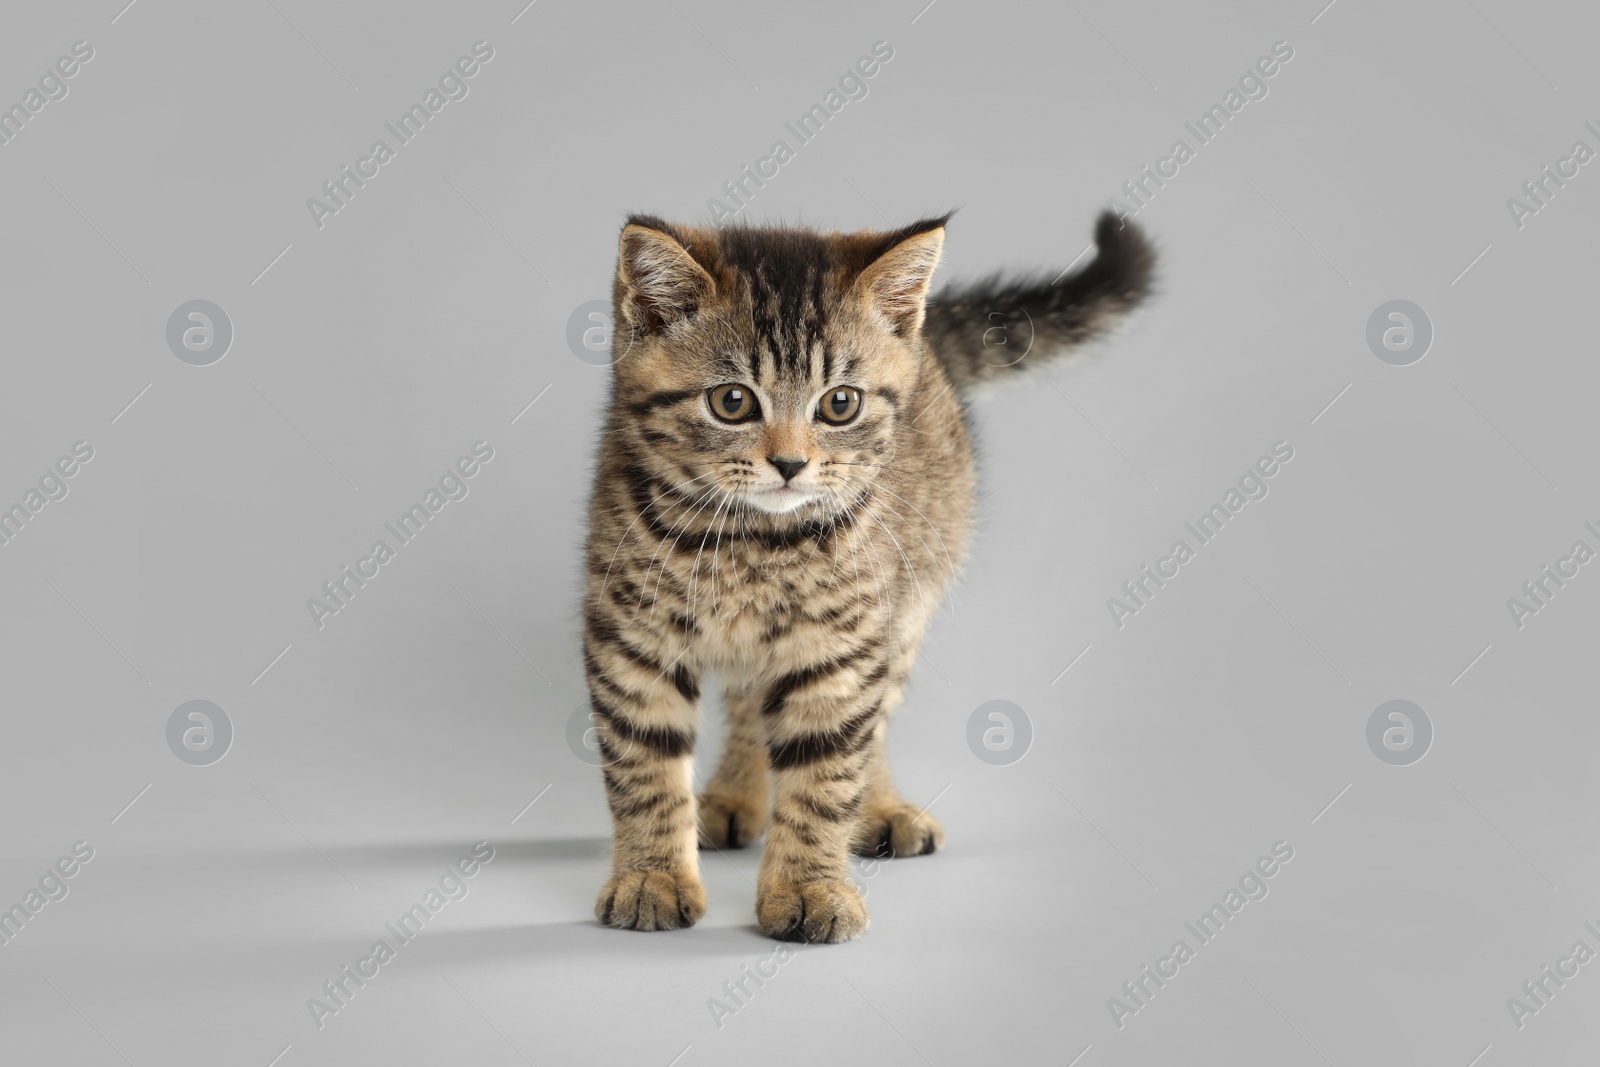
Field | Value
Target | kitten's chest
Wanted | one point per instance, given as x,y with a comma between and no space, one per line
751,592
750,582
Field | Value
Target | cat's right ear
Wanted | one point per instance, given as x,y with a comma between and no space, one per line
658,281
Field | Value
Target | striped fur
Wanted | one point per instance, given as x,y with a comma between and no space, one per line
808,602
988,330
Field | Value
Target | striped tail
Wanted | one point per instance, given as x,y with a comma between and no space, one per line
987,330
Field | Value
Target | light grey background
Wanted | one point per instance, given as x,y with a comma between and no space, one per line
427,714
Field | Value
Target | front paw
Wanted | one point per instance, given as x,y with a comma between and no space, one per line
651,900
817,912
727,821
903,830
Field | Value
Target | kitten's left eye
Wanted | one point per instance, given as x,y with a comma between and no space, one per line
733,403
840,405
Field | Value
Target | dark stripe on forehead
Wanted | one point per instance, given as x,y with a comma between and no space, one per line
813,333
786,275
842,367
793,313
813,319
766,325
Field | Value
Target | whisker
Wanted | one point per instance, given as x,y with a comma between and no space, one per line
948,558
898,470
635,522
705,499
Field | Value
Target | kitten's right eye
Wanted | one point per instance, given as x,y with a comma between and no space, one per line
733,403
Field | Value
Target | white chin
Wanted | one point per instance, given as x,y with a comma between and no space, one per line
777,503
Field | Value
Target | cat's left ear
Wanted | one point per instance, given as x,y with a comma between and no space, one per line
896,283
658,281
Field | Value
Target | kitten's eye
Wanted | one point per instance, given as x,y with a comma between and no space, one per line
733,403
840,405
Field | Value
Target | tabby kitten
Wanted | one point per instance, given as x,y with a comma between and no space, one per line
784,493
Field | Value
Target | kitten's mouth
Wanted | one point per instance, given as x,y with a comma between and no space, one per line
779,499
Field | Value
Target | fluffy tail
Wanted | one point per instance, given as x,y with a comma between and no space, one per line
989,329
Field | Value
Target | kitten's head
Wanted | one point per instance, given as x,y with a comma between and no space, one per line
768,367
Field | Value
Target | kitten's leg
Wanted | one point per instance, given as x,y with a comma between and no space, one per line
890,826
646,713
734,807
819,721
